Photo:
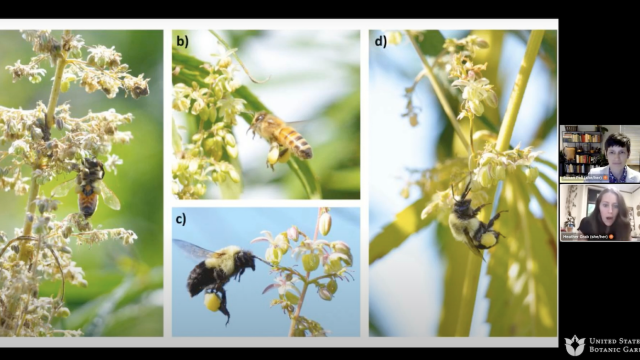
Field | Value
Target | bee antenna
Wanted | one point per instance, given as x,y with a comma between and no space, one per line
454,194
467,189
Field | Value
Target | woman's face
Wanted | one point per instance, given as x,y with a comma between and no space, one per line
609,208
617,156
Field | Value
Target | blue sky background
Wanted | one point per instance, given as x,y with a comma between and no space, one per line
216,228
416,300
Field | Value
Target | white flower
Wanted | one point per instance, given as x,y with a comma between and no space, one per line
111,163
475,91
282,285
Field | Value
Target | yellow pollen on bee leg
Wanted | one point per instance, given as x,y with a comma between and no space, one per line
212,301
488,239
284,158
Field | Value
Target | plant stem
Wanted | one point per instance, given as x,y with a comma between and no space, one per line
296,170
294,320
25,251
515,100
440,94
470,286
53,101
55,90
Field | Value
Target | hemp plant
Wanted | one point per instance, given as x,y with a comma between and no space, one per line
208,93
335,258
484,159
210,153
46,142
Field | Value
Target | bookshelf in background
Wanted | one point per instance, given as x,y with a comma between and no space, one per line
587,145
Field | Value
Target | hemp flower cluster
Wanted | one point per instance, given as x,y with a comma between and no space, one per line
475,88
492,166
40,250
201,159
334,257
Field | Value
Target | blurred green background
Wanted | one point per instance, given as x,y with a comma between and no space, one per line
314,79
124,296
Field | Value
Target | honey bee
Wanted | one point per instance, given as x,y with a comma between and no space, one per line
284,139
88,185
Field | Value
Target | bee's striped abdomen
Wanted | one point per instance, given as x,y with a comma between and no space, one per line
292,139
87,201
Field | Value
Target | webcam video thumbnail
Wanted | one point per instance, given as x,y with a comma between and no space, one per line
600,154
599,212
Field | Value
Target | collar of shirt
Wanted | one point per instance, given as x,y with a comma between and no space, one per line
623,178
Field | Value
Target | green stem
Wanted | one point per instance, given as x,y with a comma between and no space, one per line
294,320
440,94
53,101
55,90
522,199
296,170
515,100
469,290
26,252
546,162
315,281
470,287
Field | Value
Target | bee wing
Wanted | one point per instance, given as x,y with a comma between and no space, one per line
63,189
302,124
470,244
195,252
108,196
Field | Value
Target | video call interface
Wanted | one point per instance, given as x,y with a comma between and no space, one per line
599,177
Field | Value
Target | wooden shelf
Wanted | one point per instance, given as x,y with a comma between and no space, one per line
585,153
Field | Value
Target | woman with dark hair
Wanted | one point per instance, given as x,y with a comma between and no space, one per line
610,217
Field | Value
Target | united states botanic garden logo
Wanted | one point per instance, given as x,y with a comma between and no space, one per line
574,345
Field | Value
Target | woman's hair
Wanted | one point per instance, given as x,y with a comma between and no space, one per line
618,139
621,228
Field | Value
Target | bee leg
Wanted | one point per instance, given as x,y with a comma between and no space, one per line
477,210
223,306
284,155
240,273
494,218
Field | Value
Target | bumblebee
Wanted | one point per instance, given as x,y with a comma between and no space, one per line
88,185
282,137
215,270
466,227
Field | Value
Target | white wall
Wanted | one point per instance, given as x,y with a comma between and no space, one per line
635,201
564,190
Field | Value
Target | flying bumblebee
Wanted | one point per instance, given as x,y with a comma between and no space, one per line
466,227
215,270
284,139
88,185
